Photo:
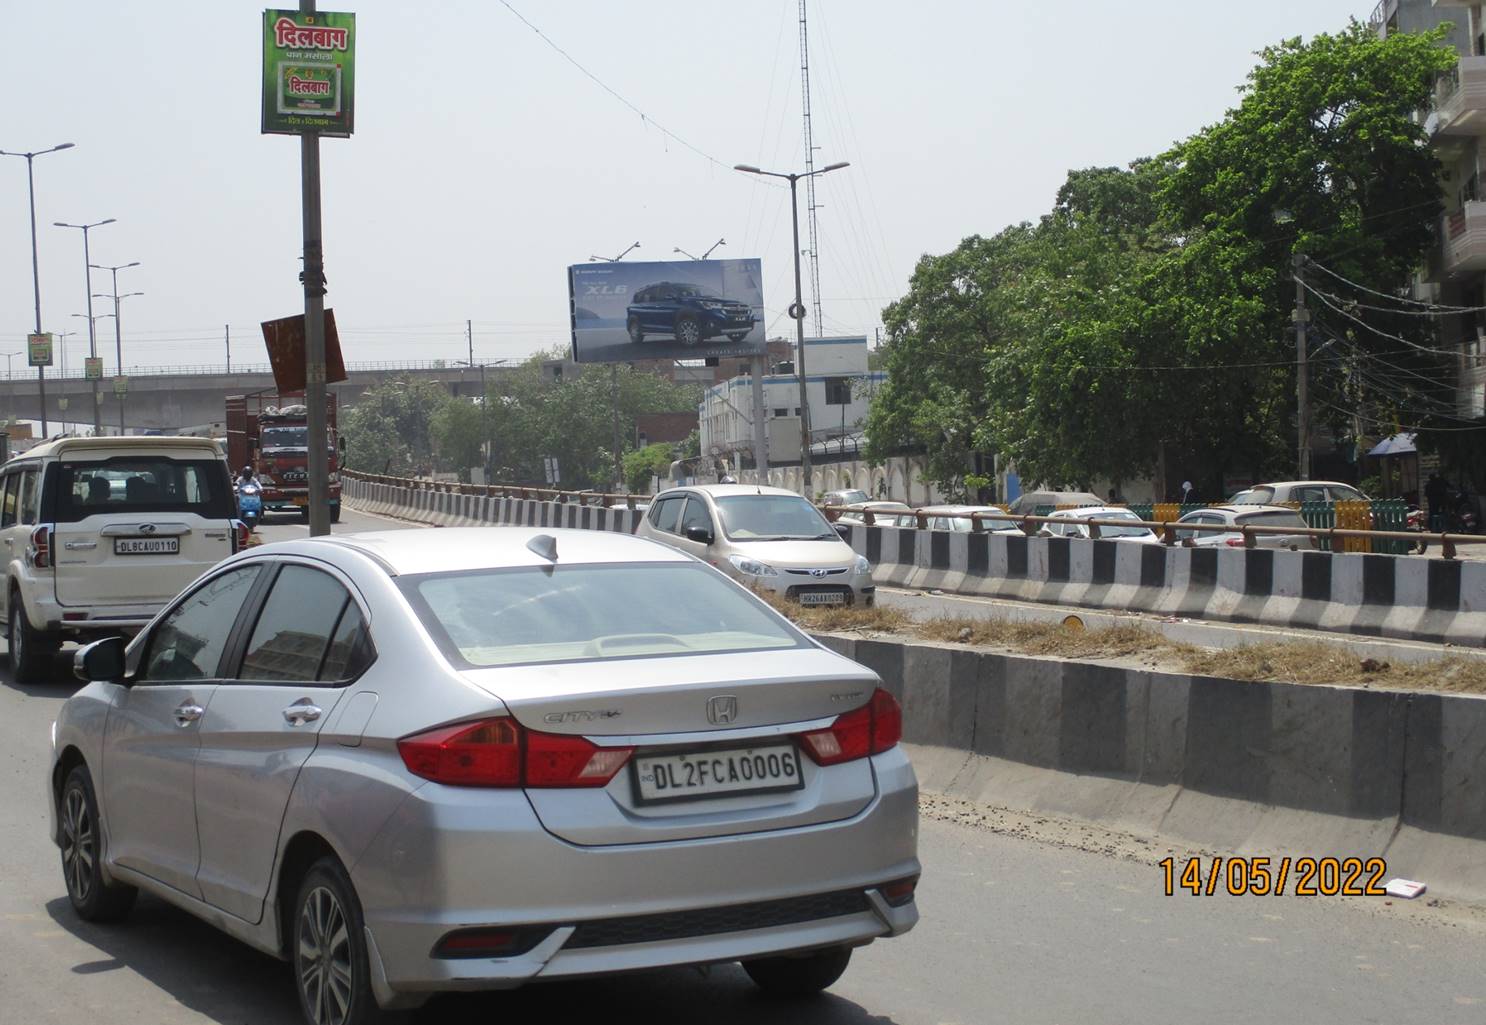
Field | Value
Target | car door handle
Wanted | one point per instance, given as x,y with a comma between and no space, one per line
299,714
185,715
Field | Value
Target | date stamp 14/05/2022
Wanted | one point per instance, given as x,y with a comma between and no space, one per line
1300,877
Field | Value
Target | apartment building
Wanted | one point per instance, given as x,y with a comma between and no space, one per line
838,386
1456,126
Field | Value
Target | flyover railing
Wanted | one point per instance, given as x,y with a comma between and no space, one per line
516,491
222,370
1247,534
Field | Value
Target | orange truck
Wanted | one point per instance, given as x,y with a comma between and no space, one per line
269,431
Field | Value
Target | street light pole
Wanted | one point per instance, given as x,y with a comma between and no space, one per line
92,335
35,265
797,310
118,331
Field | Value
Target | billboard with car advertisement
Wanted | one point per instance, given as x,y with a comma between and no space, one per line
676,309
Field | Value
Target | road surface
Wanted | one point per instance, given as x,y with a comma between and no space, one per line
1015,929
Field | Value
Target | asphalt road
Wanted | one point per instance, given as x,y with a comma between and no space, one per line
1015,929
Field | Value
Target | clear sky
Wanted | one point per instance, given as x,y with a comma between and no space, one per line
484,162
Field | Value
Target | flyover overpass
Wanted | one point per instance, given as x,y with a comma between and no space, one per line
170,397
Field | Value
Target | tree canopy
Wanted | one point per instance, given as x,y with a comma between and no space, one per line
1150,309
404,426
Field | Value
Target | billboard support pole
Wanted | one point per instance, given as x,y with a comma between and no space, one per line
317,462
760,422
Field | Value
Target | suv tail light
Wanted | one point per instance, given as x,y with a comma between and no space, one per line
241,535
503,753
871,729
41,546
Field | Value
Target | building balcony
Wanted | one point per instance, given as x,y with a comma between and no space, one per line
1460,101
1463,238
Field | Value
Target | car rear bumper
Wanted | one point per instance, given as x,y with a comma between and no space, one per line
80,621
454,858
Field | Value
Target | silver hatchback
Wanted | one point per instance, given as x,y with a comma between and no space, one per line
422,761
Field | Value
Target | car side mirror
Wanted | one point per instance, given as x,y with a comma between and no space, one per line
1044,532
844,530
701,535
100,662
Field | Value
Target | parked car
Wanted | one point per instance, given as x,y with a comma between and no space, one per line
100,533
1029,502
884,514
1284,491
767,538
420,761
845,496
956,518
1236,517
686,313
1071,523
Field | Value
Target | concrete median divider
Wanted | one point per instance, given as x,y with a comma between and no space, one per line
1409,597
1255,768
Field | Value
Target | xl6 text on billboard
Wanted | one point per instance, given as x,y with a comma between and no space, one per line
672,310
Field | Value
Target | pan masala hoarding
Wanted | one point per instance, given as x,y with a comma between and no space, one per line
309,72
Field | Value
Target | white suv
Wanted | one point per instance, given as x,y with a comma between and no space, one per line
766,538
97,534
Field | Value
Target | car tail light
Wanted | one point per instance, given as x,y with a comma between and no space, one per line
871,729
503,753
41,546
556,760
241,535
1234,542
899,891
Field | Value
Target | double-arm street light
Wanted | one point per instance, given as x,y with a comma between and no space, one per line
683,252
797,309
35,267
614,259
88,276
118,331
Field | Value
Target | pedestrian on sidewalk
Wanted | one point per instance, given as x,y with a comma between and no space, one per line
1437,493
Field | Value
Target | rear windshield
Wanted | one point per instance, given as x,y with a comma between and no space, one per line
772,518
1253,496
580,613
1276,518
140,484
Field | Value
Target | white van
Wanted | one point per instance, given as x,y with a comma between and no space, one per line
97,534
768,538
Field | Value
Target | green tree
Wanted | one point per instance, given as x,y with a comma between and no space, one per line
1151,306
458,430
651,461
387,430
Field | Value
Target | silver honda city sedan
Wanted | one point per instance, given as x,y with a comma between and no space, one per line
431,760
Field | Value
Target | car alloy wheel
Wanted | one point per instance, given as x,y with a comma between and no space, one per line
79,845
324,957
19,649
688,332
636,332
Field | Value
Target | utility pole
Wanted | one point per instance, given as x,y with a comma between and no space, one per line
1301,316
469,336
318,464
227,340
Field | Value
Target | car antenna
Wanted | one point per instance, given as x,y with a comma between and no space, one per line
544,545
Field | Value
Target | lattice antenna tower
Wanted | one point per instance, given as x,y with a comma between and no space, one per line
810,170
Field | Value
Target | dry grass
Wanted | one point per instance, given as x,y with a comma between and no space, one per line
1305,662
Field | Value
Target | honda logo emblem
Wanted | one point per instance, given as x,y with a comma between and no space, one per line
722,710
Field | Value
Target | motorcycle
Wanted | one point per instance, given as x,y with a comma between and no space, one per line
249,503
1463,516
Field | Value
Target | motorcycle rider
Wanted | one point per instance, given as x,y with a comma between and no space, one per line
245,476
